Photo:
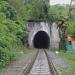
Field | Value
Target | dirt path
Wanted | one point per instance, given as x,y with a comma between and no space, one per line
16,67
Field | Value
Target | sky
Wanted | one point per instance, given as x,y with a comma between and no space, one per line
53,2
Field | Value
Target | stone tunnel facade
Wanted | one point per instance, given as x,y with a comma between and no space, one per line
39,35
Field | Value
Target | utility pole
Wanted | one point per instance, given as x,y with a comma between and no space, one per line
71,8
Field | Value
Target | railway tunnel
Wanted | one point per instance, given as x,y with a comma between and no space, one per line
43,34
41,40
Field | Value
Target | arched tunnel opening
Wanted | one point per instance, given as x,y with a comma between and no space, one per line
41,40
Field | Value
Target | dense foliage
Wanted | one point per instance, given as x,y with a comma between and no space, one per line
31,9
59,12
11,31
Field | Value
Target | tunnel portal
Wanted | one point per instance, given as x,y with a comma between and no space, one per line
41,40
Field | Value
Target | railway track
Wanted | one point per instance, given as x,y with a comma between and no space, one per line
40,65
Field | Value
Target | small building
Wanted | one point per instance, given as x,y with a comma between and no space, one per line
70,42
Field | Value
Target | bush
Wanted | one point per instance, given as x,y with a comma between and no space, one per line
11,32
6,56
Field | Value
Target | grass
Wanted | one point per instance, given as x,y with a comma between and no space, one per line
70,59
25,49
7,57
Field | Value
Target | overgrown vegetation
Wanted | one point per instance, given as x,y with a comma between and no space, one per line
69,57
11,32
60,12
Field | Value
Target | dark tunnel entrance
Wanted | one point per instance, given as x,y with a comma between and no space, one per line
41,40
